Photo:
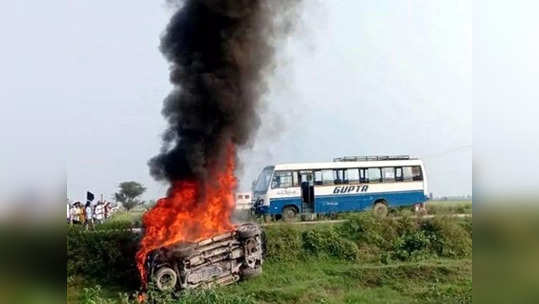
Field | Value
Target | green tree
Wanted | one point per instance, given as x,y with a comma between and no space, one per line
129,191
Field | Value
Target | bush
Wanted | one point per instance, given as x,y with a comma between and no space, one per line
94,296
448,237
407,238
411,246
212,297
328,242
106,256
283,243
368,230
114,225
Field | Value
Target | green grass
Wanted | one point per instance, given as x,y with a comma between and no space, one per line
363,260
449,207
334,281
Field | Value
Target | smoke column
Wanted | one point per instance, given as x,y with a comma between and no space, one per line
220,51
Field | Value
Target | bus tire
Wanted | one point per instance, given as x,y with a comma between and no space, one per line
289,213
380,208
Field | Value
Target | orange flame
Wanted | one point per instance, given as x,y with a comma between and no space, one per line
192,211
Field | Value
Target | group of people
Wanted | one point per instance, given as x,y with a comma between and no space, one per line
89,214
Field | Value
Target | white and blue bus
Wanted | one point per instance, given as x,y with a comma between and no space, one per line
347,184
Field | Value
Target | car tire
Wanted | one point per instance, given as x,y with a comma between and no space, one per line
165,279
289,213
246,231
380,209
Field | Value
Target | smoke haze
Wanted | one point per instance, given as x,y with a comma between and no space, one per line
219,52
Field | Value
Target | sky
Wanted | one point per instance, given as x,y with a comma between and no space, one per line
83,84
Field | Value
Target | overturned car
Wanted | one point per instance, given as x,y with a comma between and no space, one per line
220,260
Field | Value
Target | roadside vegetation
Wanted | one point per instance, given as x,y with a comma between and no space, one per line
362,260
134,216
449,207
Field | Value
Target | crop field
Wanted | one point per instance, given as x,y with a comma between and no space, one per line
362,260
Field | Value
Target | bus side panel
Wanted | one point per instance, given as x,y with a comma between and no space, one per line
358,202
277,204
340,203
402,199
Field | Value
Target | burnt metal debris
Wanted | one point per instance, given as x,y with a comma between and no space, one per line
220,260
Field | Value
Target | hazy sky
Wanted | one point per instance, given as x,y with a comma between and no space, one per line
82,85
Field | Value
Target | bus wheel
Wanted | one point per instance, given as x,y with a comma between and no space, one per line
289,213
380,209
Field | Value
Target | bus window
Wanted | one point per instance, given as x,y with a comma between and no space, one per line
263,181
305,176
317,178
374,175
416,173
398,174
295,181
328,177
363,175
412,173
388,174
282,179
351,176
407,174
340,177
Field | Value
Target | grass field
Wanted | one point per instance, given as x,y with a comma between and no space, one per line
449,207
334,281
364,260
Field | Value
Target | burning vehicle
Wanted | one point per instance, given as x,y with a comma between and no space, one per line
220,52
220,260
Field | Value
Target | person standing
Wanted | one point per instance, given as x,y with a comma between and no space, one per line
107,210
76,213
99,212
89,215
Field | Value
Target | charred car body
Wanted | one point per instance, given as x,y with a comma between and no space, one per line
220,260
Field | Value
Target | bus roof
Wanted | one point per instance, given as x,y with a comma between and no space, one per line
348,164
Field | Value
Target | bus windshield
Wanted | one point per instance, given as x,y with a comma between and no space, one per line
262,183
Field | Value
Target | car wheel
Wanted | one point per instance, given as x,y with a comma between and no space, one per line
289,213
246,231
380,209
165,279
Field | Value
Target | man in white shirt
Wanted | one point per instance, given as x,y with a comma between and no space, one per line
99,213
89,215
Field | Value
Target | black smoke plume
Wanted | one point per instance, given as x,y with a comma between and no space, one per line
220,52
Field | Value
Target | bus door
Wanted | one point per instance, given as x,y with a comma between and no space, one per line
307,190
